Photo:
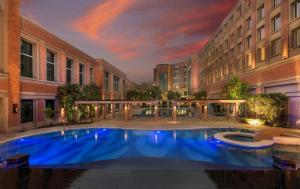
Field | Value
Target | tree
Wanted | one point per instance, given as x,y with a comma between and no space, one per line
235,89
133,95
69,93
200,95
173,95
154,93
91,92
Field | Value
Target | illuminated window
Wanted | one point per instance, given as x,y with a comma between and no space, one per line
276,47
261,54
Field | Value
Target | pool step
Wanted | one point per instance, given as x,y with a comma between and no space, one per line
19,160
284,161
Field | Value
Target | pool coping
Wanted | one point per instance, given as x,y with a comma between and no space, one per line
78,127
256,144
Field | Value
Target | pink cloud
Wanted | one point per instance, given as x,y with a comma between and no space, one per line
100,16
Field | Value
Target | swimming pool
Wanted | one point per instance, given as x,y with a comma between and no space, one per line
92,145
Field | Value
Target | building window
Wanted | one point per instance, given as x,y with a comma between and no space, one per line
116,81
69,72
296,9
239,12
276,23
239,32
248,24
240,48
92,75
248,60
276,47
261,54
248,42
81,74
50,104
275,3
26,59
261,33
261,12
26,111
240,64
296,38
50,66
106,80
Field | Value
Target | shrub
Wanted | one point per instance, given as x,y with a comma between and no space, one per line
272,108
200,95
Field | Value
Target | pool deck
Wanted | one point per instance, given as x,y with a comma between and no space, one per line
265,133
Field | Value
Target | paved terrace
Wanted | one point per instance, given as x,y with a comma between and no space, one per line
264,132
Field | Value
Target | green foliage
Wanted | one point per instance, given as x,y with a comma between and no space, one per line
49,113
91,92
235,89
173,95
272,108
153,93
70,93
200,95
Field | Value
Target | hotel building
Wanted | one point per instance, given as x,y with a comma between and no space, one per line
34,63
174,77
259,41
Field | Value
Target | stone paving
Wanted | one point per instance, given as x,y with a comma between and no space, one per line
264,132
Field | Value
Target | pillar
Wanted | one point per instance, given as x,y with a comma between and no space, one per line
227,111
156,111
205,111
104,111
126,111
113,110
174,116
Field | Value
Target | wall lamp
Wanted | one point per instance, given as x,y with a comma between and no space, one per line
15,108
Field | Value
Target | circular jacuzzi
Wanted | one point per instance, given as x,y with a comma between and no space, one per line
242,139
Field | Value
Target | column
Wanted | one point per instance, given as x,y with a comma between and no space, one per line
285,29
227,111
174,116
76,70
126,110
104,111
41,62
205,111
156,111
113,110
61,76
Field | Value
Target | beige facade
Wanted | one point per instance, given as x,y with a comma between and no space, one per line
258,41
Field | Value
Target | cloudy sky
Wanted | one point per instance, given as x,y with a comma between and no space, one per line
133,35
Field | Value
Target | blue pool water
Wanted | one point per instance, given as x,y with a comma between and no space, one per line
91,145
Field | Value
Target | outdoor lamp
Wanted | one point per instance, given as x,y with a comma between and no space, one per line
15,108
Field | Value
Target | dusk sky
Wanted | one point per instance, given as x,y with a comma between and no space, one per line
133,35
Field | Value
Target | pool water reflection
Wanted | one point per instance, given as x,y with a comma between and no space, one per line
91,145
